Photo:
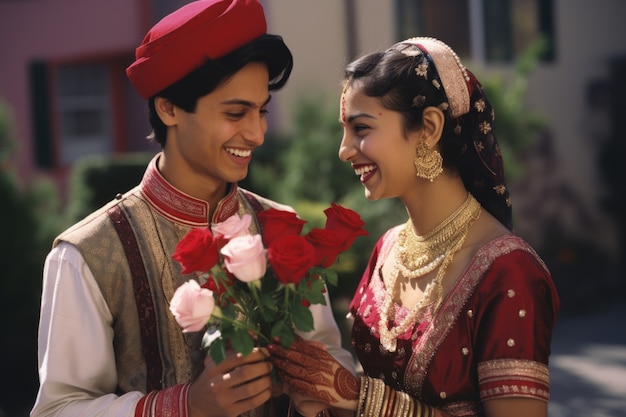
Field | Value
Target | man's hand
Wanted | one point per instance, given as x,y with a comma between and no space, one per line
307,367
237,385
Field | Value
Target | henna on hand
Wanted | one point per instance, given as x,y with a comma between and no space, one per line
310,369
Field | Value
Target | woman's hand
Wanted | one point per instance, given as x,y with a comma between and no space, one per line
237,385
307,367
304,404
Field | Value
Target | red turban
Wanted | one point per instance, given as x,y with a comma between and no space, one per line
182,40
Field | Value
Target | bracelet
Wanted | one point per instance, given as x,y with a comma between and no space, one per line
360,408
376,399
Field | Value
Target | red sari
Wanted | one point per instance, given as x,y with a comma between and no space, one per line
490,337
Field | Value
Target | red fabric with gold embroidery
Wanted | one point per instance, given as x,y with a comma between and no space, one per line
170,402
489,338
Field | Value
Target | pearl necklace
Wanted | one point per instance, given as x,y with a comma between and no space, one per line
415,256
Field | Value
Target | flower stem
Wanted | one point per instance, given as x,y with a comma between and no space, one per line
245,326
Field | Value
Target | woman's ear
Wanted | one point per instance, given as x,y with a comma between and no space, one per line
433,120
166,111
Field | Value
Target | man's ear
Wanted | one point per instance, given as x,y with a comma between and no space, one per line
433,120
166,111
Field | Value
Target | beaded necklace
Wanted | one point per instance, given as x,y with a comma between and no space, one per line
415,256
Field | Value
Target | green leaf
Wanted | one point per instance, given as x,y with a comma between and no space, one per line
267,301
217,350
331,277
242,342
284,333
228,311
302,318
312,291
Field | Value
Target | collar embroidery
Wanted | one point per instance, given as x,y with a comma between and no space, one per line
180,207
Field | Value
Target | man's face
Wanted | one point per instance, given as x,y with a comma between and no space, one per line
213,146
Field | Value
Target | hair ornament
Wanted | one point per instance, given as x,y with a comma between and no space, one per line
451,71
418,101
411,50
480,105
422,69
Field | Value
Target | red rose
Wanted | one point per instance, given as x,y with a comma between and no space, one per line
291,257
198,250
346,223
278,223
218,288
328,245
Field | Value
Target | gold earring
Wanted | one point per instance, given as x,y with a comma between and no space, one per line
428,162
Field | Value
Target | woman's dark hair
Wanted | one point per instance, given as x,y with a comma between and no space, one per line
267,49
390,77
405,80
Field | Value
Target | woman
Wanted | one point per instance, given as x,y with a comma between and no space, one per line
454,314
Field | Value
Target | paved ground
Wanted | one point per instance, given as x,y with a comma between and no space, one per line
588,365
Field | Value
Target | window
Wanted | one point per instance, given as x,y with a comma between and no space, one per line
84,114
483,30
446,20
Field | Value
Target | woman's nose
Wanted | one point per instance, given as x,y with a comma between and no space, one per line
347,150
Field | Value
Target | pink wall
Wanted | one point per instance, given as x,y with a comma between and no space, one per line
58,30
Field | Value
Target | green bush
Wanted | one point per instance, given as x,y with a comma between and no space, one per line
31,219
96,180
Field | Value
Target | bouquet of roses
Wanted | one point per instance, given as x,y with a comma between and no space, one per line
258,287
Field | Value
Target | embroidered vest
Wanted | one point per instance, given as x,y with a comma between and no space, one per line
151,352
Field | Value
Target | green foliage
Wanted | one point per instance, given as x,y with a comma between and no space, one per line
7,142
30,221
516,126
96,180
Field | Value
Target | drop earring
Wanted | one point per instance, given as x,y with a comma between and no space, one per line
428,162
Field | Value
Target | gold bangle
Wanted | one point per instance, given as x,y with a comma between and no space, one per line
360,412
390,403
379,394
400,404
367,400
385,400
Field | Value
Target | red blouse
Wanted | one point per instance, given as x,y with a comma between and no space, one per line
489,338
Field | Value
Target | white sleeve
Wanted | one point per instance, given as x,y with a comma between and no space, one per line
77,370
327,332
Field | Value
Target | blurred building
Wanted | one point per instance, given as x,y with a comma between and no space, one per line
62,68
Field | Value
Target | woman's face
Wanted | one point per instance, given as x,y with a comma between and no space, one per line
375,144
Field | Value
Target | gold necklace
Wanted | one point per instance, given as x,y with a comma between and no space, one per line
416,254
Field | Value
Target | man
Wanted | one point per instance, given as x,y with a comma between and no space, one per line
108,344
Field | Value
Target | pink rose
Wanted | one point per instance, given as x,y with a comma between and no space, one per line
244,257
233,226
192,306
